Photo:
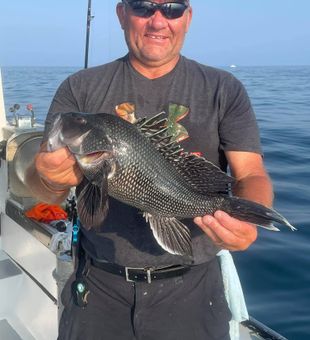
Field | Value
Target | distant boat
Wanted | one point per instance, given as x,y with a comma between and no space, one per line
233,66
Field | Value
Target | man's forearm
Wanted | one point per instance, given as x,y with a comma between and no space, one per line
255,188
42,190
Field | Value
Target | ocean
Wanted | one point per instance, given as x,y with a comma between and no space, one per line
275,271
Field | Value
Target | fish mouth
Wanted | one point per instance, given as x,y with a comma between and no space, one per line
65,132
93,158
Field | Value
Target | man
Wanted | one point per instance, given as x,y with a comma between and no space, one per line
183,299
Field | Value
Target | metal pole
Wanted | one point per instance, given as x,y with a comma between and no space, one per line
89,18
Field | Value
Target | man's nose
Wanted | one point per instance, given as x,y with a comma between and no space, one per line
158,21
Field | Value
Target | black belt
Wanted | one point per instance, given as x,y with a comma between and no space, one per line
147,274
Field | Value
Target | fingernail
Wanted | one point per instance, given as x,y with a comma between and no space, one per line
207,219
219,214
198,219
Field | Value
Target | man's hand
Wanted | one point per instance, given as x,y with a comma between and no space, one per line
58,168
252,183
52,174
226,231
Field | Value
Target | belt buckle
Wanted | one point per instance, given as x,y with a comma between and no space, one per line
147,270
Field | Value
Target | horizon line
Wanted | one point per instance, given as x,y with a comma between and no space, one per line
232,66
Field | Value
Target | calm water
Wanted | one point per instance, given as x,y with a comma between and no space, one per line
275,272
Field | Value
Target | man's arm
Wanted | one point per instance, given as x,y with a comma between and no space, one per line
252,183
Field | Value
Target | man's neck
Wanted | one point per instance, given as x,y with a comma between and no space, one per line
153,70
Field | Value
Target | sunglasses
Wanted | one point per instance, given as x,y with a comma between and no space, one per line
145,9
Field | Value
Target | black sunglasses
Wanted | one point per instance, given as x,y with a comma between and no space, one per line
145,9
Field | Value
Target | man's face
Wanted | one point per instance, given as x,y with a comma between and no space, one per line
153,41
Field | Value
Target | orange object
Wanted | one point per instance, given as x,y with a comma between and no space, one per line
46,213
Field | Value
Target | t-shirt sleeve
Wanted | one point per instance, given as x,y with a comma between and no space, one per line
63,101
238,128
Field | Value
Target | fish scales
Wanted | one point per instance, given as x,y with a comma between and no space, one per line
140,166
154,186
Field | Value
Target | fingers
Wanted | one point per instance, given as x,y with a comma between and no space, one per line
58,167
204,223
226,231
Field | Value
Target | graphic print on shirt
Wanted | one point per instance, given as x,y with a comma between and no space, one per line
126,111
176,113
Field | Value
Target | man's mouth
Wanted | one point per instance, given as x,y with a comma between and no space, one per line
155,37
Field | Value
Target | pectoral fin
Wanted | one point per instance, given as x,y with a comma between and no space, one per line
92,203
171,234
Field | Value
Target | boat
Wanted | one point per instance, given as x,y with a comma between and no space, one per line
32,270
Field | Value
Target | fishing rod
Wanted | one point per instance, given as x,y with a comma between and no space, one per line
89,19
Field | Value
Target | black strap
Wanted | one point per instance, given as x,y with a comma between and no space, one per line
79,287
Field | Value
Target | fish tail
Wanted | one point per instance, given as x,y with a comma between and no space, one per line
254,213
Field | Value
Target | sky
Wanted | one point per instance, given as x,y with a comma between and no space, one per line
223,32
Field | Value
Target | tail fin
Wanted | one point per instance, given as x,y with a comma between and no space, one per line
254,213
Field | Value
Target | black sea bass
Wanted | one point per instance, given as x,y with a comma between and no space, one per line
140,165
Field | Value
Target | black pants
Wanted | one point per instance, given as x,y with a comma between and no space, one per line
190,307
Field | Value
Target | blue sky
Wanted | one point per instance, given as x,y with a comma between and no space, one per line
223,32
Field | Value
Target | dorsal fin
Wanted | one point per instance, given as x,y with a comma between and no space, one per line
202,175
154,123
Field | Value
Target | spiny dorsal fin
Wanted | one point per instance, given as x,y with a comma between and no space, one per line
202,175
154,123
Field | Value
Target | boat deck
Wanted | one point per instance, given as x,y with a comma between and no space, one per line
28,292
12,284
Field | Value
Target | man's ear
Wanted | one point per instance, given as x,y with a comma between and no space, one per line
120,11
189,18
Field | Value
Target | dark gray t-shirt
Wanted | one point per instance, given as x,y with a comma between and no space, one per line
219,118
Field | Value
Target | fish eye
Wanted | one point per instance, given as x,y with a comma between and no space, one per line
80,120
